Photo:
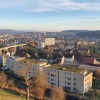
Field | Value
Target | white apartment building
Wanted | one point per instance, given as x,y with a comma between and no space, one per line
41,45
71,78
20,64
49,41
3,60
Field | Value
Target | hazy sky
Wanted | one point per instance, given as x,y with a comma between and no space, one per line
50,15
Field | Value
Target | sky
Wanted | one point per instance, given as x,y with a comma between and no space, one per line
50,15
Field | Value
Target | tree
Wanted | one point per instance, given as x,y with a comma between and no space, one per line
94,50
97,73
3,80
90,94
28,80
91,50
75,44
57,94
41,84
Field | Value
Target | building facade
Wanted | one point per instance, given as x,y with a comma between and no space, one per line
19,64
3,60
49,41
41,45
72,79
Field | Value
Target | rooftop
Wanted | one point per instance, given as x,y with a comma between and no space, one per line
30,61
67,68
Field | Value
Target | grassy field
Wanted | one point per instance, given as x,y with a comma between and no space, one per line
8,95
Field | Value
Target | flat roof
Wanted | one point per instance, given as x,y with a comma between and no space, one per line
89,67
67,68
31,61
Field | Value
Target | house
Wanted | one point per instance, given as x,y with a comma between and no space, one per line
65,60
90,60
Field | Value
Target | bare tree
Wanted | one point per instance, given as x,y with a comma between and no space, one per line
41,84
10,84
3,80
57,94
97,74
28,80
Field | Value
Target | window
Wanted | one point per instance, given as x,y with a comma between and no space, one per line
68,83
52,83
68,88
52,79
52,75
58,77
58,81
69,78
74,83
74,79
65,72
65,77
74,89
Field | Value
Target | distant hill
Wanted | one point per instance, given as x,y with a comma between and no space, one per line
83,33
9,31
89,34
73,31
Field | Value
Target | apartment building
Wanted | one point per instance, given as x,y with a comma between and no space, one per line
20,65
3,60
41,45
49,41
71,78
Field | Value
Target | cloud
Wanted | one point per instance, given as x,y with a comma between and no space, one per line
38,10
80,20
50,5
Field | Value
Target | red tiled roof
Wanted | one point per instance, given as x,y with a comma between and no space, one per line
88,60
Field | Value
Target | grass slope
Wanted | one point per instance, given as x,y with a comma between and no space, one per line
8,95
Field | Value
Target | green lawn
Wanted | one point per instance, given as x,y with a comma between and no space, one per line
8,95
